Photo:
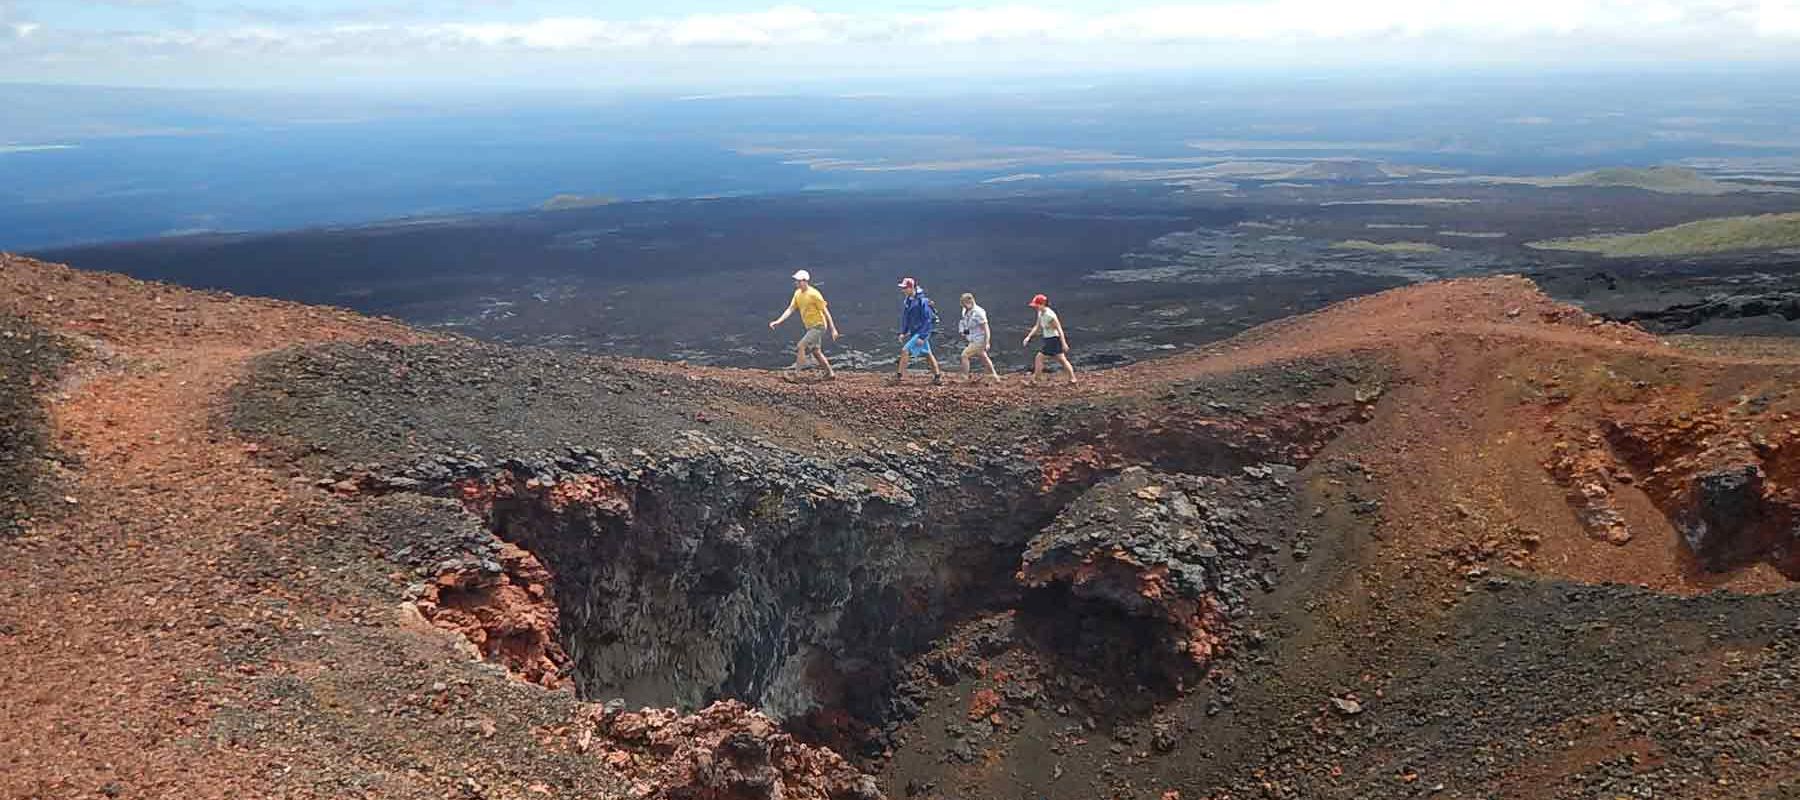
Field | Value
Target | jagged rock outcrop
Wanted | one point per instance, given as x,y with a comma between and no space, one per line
1182,553
1783,305
504,608
1588,472
727,751
1727,480
1725,519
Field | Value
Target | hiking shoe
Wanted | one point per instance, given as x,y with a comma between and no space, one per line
938,379
894,379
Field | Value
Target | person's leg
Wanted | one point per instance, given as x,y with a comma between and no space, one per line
1067,367
819,353
1037,368
905,359
987,359
968,352
811,340
931,358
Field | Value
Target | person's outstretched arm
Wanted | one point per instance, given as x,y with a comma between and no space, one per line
1030,333
785,314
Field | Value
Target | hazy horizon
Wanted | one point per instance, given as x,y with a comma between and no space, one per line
81,165
728,45
130,119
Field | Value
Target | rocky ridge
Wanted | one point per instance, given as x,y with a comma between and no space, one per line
367,559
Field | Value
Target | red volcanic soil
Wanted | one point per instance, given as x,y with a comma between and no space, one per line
185,614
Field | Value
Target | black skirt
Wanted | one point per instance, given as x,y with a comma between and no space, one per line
1053,346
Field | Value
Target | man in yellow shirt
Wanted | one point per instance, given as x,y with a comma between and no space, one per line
816,316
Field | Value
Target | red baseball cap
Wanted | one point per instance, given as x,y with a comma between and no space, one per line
908,283
1039,301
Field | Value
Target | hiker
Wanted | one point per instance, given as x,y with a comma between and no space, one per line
974,328
815,314
918,316
1056,340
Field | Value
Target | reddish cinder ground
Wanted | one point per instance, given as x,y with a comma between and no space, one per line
1491,377
114,600
121,619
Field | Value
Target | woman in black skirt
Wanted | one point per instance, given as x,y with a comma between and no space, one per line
1056,340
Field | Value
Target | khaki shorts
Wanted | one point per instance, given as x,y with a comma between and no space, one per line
814,338
974,348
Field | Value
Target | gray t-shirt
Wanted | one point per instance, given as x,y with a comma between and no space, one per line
973,319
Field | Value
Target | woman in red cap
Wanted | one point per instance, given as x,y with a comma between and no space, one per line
1056,341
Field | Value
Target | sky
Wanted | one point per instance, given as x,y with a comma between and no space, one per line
728,45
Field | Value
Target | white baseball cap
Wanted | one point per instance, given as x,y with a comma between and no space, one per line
803,275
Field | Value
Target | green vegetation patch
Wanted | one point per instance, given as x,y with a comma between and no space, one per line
1722,235
1665,179
1388,247
568,202
1672,180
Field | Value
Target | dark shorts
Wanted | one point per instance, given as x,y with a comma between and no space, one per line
1053,346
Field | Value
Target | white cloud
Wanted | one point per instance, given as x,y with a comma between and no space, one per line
974,25
798,40
786,25
1323,20
10,21
1700,22
783,26
1778,18
544,34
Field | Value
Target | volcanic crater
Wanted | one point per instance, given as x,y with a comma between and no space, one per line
1449,540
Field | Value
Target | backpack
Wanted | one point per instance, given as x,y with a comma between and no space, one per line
931,307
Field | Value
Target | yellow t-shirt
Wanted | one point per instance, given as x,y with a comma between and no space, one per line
811,305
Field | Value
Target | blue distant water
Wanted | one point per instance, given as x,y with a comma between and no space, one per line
149,163
293,176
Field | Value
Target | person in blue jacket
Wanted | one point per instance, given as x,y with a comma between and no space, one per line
916,320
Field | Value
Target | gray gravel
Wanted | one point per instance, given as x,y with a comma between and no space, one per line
28,361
